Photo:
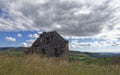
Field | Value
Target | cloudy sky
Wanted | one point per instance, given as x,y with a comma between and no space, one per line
89,25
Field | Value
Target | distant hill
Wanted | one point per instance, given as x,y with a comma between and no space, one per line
13,50
100,55
94,55
5,48
8,48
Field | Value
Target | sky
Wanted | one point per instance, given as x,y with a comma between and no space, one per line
88,25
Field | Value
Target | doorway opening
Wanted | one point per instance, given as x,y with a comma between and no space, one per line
56,52
43,51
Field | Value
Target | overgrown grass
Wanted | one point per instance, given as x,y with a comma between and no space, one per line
40,65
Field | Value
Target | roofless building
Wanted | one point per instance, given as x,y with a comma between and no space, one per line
50,44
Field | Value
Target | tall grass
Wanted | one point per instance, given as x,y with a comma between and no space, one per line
40,65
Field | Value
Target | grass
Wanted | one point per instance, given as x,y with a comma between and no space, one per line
80,57
41,65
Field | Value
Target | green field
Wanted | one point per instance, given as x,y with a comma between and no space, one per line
19,64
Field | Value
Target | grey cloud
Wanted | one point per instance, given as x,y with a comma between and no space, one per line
75,18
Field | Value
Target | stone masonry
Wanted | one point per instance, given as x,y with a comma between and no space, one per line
50,44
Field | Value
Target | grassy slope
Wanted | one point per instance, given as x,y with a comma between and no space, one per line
38,65
80,57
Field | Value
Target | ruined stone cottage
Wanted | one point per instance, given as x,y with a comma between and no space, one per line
50,44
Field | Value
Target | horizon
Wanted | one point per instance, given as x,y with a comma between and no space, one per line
88,25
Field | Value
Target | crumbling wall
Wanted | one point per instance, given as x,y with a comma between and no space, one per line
50,44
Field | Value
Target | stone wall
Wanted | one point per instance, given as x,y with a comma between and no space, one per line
50,44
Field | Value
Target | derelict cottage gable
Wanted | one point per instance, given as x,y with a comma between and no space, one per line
50,44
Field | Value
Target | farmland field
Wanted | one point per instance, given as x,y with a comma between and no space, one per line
41,65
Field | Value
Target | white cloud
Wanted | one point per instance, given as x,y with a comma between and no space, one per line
39,32
33,36
10,39
65,37
94,44
24,44
83,11
75,44
19,35
27,43
30,41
